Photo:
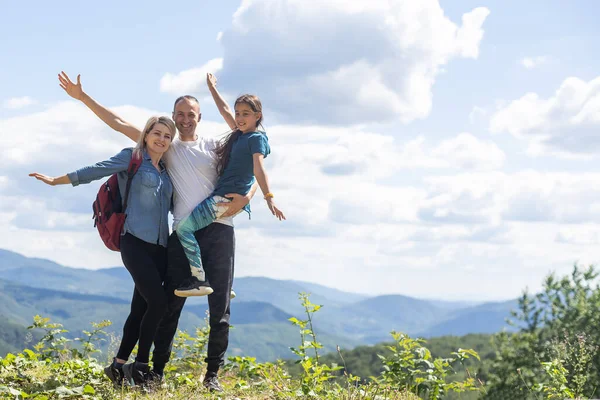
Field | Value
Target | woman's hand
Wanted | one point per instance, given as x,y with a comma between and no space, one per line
48,180
211,80
72,89
274,210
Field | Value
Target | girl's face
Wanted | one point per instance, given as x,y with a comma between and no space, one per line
246,118
158,139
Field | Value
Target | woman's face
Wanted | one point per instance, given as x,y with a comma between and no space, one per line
245,117
158,139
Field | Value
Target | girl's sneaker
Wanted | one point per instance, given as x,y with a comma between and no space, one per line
194,287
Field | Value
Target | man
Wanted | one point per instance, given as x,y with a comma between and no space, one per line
190,164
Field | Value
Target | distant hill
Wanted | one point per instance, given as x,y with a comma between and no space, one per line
335,296
15,336
35,272
247,312
483,318
260,329
260,312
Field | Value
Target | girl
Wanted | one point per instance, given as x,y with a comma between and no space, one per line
239,160
143,241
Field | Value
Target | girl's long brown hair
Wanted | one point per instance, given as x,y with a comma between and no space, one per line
223,150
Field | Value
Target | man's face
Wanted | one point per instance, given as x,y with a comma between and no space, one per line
186,117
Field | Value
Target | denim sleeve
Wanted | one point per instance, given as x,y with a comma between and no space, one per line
117,163
259,144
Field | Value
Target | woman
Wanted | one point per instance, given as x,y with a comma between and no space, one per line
143,241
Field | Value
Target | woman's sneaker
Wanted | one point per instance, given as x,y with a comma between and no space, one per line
194,287
114,374
135,373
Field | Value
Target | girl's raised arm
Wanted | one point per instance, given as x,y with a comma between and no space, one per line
222,105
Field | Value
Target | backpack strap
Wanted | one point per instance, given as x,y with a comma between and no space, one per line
134,165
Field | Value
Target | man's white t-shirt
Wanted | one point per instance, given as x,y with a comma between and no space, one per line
192,167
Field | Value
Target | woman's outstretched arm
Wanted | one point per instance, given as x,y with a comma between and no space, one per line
111,119
52,181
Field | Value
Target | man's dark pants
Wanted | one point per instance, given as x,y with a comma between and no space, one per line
217,242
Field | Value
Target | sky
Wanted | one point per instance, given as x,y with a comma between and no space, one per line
435,149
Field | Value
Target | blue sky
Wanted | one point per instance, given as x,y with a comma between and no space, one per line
435,149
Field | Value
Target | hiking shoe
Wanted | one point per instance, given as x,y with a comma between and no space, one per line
135,373
153,380
194,287
114,374
211,382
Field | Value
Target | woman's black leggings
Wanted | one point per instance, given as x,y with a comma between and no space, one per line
147,264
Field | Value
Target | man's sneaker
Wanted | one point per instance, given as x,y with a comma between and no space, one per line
154,376
211,382
232,295
114,374
135,373
193,287
153,380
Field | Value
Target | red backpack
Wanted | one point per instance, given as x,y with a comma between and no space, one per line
109,215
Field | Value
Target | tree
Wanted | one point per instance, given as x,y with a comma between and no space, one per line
555,350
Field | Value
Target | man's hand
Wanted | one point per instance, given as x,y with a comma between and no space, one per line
237,203
72,89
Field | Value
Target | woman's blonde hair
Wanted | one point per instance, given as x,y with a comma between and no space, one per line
166,121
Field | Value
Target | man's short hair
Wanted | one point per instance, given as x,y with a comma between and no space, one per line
187,97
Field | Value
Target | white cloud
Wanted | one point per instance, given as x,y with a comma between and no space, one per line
566,124
476,114
339,62
191,80
18,102
467,152
355,199
582,235
526,196
533,62
66,129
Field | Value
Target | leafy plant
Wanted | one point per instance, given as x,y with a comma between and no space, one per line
411,367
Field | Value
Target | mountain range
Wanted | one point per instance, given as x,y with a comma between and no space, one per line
259,315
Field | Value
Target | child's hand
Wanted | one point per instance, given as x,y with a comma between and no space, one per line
211,80
274,210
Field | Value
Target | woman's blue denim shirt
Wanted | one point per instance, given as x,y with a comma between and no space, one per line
149,197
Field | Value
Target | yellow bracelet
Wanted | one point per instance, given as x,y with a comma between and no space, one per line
269,195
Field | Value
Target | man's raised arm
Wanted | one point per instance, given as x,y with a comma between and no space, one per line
108,117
